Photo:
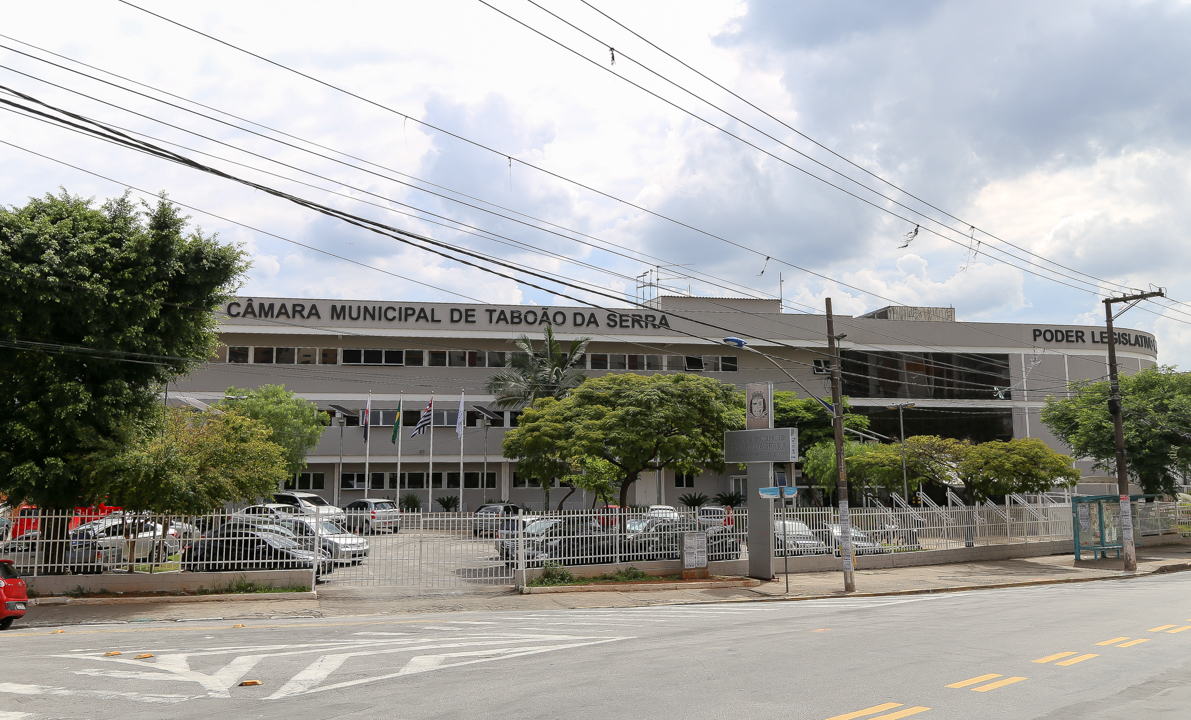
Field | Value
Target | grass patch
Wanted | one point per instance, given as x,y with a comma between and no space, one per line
554,574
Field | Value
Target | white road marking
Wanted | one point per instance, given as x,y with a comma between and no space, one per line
13,715
19,689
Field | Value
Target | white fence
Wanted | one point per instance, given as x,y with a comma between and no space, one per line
459,551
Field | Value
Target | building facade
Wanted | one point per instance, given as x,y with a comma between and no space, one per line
978,380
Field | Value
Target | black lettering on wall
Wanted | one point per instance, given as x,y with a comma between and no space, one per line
422,315
611,320
469,316
229,309
501,317
349,313
577,319
491,312
264,312
514,317
283,311
456,315
638,321
338,312
370,313
534,320
663,323
433,316
249,309
312,313
558,318
591,320
1078,338
388,309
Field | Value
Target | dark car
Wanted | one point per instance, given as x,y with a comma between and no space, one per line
14,598
236,547
661,539
566,540
489,518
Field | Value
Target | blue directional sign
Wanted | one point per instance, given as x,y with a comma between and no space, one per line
774,493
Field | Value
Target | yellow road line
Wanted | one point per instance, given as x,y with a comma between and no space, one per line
1131,643
868,711
998,684
1079,659
1114,641
1160,628
974,680
902,713
1056,656
1179,630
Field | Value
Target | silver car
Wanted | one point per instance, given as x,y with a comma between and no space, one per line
368,515
309,504
344,547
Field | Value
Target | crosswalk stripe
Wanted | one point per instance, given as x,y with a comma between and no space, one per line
973,681
902,713
1160,628
1179,630
867,711
1079,659
1131,643
1056,656
1114,641
998,684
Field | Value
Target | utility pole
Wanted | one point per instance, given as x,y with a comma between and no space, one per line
901,422
845,525
1128,549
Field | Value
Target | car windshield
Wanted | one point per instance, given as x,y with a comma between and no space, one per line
279,541
6,571
795,527
315,500
275,529
385,506
540,527
635,525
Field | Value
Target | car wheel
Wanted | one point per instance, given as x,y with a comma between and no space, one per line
6,623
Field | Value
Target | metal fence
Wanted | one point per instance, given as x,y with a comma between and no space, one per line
457,551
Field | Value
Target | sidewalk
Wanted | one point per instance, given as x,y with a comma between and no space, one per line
346,602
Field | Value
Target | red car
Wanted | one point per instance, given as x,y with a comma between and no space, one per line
27,517
13,597
608,515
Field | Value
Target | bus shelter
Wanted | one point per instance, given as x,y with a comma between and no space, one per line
1096,523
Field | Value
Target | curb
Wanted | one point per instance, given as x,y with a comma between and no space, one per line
173,599
642,587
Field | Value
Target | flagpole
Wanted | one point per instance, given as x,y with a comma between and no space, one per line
430,475
459,424
400,426
367,444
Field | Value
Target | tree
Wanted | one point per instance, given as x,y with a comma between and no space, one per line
1156,404
193,463
531,374
595,475
991,468
869,465
636,423
811,418
99,309
296,424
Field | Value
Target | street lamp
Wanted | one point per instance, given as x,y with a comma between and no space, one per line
900,407
488,416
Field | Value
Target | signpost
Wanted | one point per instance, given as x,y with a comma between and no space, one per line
779,492
764,446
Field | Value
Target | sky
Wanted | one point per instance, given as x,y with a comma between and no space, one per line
1042,150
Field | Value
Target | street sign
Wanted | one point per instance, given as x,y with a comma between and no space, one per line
748,446
694,547
775,493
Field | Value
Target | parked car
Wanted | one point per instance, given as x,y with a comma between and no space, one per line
310,504
714,515
660,538
662,511
371,514
340,545
568,540
234,547
796,538
270,510
862,544
608,515
488,518
27,551
28,517
103,544
14,596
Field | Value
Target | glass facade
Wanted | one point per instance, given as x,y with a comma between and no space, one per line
933,376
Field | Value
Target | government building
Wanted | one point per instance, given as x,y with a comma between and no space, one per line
982,381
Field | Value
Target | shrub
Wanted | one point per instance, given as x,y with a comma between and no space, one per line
449,503
553,573
410,502
730,499
693,500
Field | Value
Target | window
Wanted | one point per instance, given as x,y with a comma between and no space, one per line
684,480
394,357
513,415
262,355
308,481
284,356
581,361
329,356
728,363
437,479
636,362
414,358
653,362
496,359
237,354
475,358
352,481
711,363
457,358
445,418
378,481
388,418
374,357
474,419
453,480
675,362
411,417
694,363
822,366
307,356
616,361
415,480
438,358
599,361
396,481
352,356
518,481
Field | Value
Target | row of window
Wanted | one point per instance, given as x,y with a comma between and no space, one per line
259,355
413,480
442,418
307,481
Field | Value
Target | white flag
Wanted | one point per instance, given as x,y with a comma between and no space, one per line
459,420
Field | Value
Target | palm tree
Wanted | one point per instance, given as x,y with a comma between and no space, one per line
530,374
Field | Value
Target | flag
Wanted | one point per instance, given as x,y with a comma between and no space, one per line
459,420
367,419
424,420
396,425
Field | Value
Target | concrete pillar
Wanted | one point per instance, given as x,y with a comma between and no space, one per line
506,480
760,519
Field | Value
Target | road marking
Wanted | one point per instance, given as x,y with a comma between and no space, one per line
1160,628
868,711
1179,630
13,715
1079,659
1114,641
1056,656
20,689
998,684
902,713
973,681
1131,643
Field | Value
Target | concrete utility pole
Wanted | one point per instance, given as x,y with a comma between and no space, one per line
1128,549
845,524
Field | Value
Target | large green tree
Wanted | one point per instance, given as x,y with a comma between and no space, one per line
811,418
869,465
100,307
1023,465
531,374
1156,404
633,422
296,424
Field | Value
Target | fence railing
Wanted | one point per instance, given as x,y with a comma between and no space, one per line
389,547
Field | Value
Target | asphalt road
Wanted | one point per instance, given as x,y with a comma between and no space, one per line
1092,651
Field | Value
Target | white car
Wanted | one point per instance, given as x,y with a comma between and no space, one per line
310,504
662,511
